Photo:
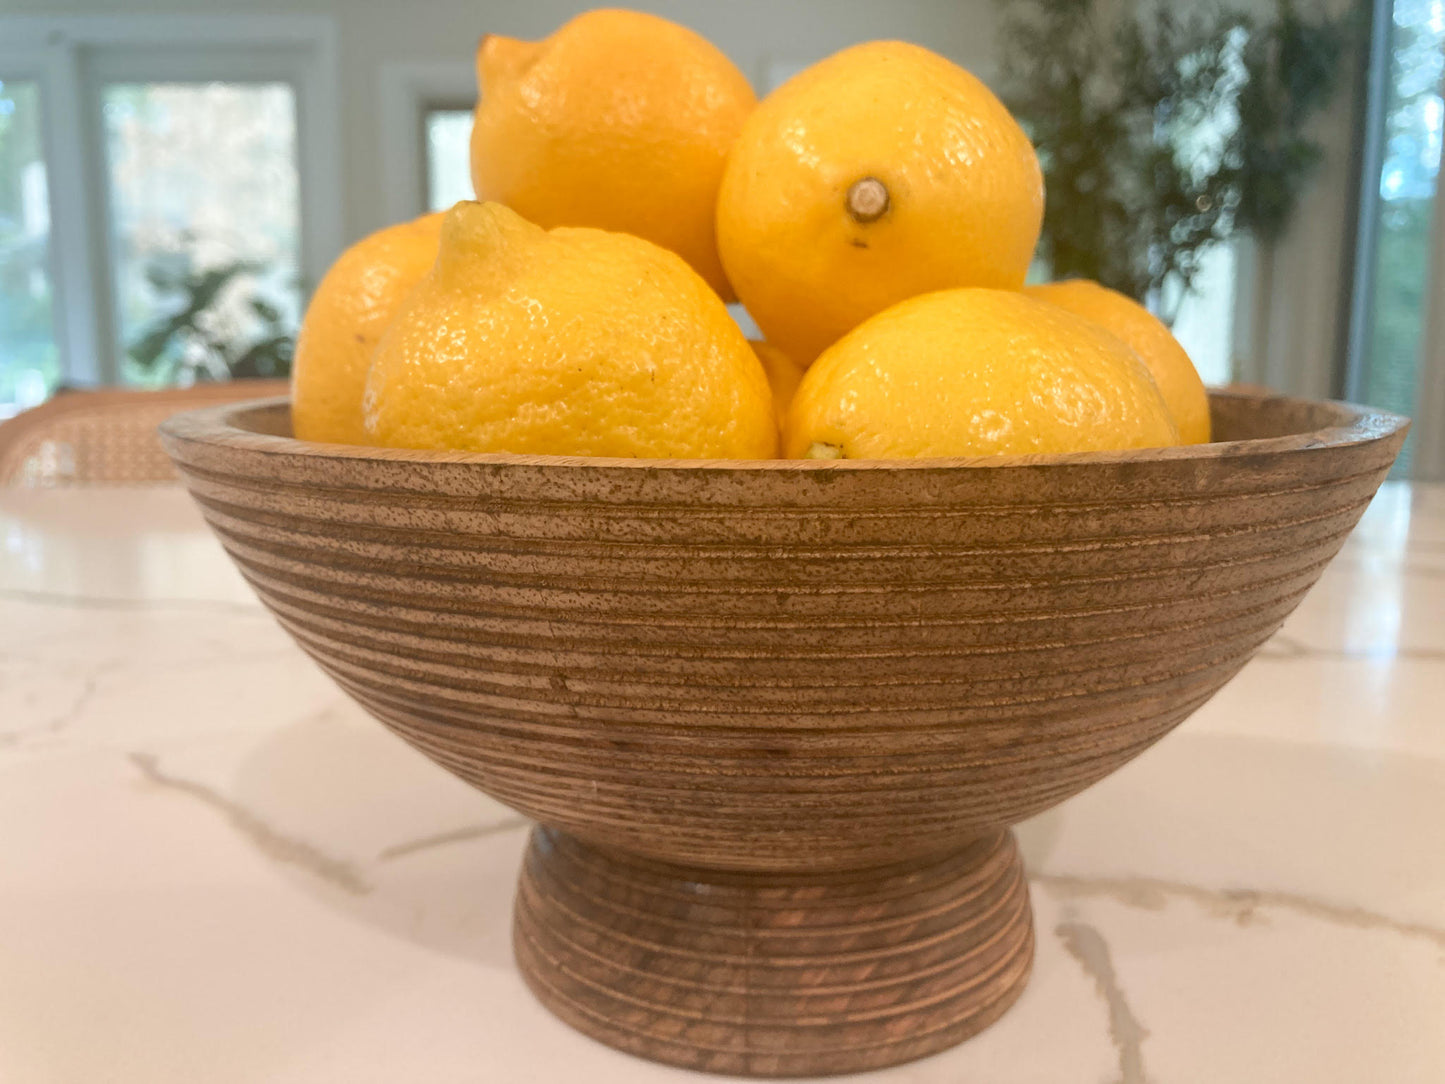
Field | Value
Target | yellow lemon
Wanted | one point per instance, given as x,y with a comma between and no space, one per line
975,372
1152,341
784,375
881,173
619,120
568,342
352,306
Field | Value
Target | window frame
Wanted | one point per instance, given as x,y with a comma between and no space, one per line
408,91
1368,204
1428,462
72,300
73,58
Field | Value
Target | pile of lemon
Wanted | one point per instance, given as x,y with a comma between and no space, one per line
876,215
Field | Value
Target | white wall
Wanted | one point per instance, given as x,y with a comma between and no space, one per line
373,33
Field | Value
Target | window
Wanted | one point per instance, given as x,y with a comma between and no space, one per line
448,157
205,225
1204,321
29,361
1393,296
168,188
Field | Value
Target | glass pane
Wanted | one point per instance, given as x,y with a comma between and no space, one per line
1204,321
29,362
205,210
448,157
1407,194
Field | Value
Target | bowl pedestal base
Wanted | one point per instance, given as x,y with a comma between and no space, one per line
774,974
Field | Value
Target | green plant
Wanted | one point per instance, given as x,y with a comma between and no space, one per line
201,338
1162,133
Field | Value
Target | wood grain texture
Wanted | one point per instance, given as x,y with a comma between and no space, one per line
785,669
775,974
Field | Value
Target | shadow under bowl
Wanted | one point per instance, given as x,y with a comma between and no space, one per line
775,717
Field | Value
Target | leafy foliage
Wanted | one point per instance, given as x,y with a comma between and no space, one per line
202,338
1163,132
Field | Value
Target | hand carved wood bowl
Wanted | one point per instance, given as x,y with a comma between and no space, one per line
774,719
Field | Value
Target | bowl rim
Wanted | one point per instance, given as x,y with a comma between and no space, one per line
1354,425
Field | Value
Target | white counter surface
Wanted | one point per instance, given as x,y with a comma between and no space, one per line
215,868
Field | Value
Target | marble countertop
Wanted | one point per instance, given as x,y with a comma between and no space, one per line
214,867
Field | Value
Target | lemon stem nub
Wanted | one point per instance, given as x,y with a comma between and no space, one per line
868,200
819,450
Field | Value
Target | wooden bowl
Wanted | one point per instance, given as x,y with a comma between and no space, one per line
774,718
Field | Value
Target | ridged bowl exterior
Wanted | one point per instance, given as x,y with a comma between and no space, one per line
786,666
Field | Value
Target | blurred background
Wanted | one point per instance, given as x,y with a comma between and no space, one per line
176,174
